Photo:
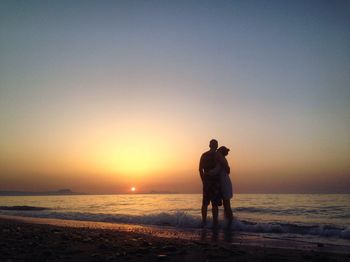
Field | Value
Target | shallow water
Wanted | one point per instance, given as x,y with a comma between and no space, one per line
311,216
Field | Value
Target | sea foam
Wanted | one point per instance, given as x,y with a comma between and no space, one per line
186,221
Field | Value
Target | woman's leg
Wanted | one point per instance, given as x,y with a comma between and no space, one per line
215,210
228,211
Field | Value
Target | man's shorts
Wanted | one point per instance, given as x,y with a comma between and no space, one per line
211,192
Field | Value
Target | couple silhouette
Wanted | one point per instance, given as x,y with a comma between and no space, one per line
214,171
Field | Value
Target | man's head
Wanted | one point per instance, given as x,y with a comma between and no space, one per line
213,144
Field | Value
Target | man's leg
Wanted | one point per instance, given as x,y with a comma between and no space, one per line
204,214
215,210
205,203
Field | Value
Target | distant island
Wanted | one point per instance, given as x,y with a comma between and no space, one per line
45,193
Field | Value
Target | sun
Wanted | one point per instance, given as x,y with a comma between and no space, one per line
133,189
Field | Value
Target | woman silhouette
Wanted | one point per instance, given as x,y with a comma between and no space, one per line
226,185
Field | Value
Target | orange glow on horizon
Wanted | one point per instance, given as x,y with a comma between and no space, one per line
139,151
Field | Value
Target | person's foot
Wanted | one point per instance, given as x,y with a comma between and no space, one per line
229,225
215,225
203,224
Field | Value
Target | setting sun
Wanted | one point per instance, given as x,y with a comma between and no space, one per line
133,189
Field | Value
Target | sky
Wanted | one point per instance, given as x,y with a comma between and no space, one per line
101,96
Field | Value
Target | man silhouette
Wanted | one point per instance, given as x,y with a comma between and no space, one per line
211,183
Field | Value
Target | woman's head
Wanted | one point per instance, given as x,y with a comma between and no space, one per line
223,150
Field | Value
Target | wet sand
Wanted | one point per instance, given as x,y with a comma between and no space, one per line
33,239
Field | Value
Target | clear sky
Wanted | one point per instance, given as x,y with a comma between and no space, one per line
99,96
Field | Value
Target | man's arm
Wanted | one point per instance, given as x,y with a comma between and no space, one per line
201,172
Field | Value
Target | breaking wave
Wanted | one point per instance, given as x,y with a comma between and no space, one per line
184,220
335,211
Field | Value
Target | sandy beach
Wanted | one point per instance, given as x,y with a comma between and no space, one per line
32,239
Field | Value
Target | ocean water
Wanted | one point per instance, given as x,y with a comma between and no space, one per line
316,216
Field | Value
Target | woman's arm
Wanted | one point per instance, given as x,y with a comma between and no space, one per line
223,162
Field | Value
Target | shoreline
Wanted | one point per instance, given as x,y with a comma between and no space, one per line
68,240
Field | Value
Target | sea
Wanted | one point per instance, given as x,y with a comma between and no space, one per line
311,217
